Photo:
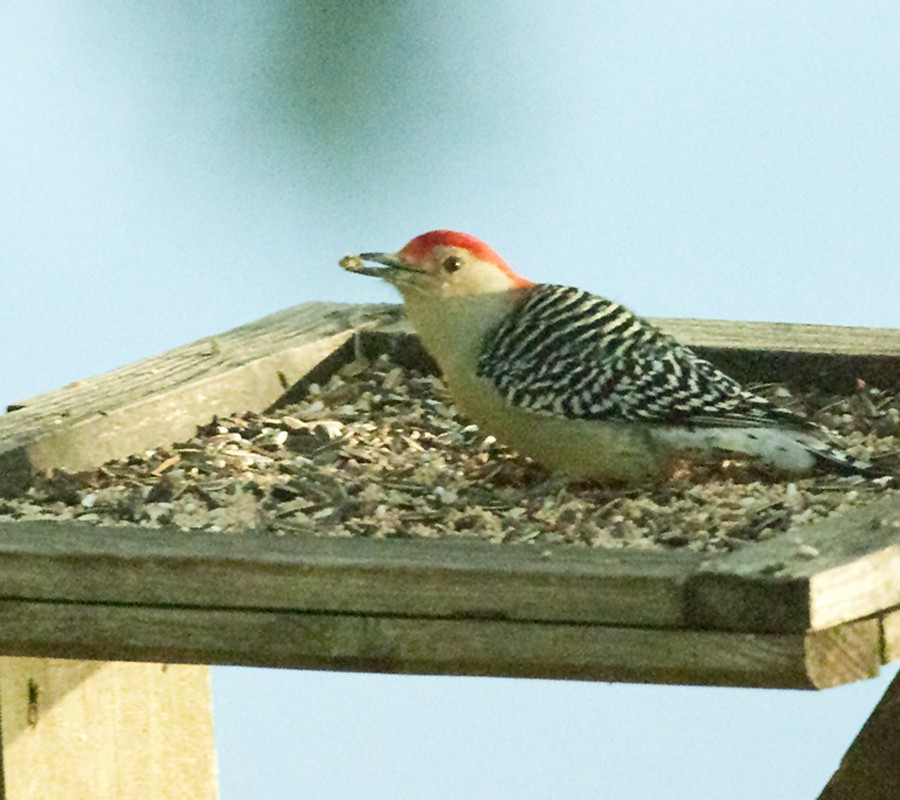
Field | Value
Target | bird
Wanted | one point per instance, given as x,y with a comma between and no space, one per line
579,383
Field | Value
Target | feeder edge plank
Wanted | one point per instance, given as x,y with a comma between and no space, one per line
163,399
820,659
80,563
828,572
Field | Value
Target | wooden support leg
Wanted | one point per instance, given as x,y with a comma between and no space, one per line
90,729
870,768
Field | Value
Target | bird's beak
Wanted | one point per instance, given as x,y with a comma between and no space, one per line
391,261
388,259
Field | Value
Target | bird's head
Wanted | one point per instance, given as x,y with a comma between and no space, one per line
440,264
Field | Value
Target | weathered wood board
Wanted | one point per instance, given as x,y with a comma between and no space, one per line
163,399
779,585
89,729
444,607
430,646
69,562
869,768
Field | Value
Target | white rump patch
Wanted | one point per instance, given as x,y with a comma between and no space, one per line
785,450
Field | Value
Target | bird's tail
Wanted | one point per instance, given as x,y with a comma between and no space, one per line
833,459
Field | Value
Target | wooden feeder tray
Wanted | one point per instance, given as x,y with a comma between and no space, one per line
760,616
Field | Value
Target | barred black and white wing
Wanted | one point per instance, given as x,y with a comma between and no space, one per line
568,353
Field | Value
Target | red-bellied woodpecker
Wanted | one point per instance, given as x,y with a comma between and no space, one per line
578,382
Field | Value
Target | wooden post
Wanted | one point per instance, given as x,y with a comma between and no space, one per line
870,768
93,729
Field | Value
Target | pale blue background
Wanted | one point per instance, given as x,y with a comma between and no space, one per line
171,170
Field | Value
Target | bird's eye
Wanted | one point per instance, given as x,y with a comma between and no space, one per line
452,264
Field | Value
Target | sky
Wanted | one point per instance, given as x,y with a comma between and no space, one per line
172,170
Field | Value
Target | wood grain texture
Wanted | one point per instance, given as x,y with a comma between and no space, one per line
163,399
441,646
829,357
779,586
403,606
80,563
890,631
78,730
869,768
844,653
786,337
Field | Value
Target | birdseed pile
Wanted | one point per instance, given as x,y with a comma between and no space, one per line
380,451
